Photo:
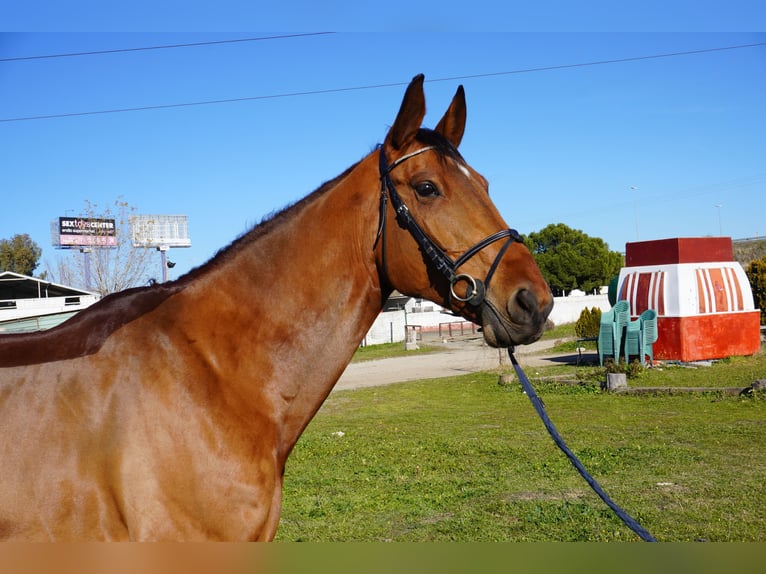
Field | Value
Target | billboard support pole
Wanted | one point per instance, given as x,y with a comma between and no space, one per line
163,249
86,262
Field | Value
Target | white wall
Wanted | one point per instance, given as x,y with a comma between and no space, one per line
22,308
389,327
568,309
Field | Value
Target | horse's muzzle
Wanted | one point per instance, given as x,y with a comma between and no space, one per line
519,322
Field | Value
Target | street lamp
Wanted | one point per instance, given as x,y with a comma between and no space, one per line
720,228
634,189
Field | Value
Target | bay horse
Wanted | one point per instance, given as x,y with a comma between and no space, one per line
167,412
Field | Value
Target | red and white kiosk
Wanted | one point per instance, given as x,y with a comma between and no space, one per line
702,297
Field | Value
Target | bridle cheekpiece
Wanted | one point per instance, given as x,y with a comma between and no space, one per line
476,289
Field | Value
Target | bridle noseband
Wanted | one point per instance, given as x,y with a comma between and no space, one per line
476,289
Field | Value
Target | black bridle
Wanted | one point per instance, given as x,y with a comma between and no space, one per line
476,289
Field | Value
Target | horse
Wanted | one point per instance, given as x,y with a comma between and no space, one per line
167,412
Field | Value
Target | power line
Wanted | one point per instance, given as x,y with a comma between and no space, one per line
378,86
603,62
160,47
205,102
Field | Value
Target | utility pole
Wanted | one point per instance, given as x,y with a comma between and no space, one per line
634,189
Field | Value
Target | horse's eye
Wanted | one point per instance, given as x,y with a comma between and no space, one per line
426,189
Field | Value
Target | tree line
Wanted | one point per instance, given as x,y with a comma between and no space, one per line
568,259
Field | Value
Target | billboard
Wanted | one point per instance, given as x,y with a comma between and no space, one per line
84,232
160,231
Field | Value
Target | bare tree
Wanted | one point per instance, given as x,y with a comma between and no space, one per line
104,269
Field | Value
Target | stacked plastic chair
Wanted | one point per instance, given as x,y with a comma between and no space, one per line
611,331
649,333
606,342
640,335
621,320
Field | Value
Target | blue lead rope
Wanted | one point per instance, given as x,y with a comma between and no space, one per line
629,521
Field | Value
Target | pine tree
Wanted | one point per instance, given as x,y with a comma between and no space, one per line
19,254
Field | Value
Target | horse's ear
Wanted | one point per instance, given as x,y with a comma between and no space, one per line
452,125
410,115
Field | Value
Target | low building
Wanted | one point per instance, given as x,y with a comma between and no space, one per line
704,303
32,304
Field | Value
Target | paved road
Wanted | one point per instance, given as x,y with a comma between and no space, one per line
457,358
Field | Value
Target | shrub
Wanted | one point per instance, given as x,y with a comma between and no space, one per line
756,274
588,324
632,370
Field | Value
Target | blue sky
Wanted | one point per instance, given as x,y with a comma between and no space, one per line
559,143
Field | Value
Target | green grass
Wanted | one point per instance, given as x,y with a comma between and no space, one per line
731,372
567,330
566,339
389,350
465,459
724,373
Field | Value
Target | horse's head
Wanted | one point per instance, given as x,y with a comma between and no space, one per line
448,243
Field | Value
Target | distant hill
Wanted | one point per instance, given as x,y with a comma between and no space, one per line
747,250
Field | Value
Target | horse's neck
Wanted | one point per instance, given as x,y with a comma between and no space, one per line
304,295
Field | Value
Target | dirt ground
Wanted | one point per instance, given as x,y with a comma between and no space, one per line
456,357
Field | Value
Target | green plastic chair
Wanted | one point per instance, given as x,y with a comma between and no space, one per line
649,335
621,319
606,346
640,335
611,292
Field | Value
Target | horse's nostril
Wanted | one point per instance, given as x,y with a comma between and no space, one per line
526,306
527,301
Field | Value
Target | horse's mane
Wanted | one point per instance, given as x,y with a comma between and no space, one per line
86,332
263,228
425,136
